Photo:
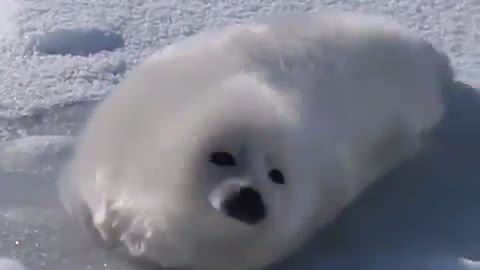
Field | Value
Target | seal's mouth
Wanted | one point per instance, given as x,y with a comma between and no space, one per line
239,201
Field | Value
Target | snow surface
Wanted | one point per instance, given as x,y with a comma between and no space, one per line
59,57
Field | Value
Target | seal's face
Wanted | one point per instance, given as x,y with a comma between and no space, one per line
236,197
240,185
217,187
244,173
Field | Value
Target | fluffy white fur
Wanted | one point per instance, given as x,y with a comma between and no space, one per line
333,100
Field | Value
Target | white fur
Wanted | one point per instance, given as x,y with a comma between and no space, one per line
334,100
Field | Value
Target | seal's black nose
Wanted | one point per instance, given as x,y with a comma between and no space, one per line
246,205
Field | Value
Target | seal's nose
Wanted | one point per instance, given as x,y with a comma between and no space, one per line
246,205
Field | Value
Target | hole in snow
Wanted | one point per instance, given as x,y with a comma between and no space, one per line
82,42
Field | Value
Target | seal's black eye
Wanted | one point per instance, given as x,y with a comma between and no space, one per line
222,159
276,176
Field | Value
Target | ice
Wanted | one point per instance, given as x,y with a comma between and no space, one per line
8,20
9,264
31,152
59,57
470,265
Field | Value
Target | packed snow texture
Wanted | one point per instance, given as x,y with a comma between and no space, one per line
60,57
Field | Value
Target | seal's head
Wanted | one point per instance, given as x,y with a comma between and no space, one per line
221,186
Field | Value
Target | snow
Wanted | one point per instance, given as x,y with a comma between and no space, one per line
60,57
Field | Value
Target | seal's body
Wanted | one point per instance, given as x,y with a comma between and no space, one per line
229,149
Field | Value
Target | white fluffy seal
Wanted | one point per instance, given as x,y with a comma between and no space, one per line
229,149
